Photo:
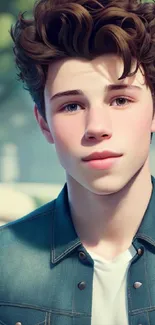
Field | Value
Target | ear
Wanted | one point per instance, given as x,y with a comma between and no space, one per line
43,125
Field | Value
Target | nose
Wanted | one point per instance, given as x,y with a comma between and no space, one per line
98,125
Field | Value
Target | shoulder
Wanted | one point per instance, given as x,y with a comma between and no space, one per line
37,225
37,219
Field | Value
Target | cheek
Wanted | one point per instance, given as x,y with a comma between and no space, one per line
136,124
65,132
142,126
66,129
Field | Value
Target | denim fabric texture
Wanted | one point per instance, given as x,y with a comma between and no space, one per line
46,275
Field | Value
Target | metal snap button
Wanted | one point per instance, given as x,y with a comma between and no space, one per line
140,251
82,256
82,285
18,323
137,285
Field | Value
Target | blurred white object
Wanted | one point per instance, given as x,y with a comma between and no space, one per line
9,168
16,199
14,204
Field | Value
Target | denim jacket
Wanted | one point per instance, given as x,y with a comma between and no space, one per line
46,274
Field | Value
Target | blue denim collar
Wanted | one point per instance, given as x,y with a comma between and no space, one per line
146,230
64,236
65,239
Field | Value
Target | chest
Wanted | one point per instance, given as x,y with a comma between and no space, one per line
34,292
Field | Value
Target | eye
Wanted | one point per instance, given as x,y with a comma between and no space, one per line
121,101
73,107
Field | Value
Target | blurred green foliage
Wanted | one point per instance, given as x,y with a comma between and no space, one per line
8,14
6,20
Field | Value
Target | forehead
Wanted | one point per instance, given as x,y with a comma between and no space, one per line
70,73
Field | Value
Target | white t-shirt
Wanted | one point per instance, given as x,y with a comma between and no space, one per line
109,305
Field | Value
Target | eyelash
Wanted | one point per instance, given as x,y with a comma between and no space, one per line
74,103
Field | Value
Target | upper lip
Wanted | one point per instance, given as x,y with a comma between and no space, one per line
101,155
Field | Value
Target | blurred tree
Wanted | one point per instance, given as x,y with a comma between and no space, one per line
8,14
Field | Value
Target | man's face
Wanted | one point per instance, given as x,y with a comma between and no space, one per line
96,118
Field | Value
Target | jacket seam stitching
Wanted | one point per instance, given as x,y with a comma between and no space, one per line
141,310
38,308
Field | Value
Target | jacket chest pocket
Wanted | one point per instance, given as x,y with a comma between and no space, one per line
21,315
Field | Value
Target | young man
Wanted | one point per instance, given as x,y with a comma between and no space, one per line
88,257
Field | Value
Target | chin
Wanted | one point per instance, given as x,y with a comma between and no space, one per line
112,184
105,190
107,185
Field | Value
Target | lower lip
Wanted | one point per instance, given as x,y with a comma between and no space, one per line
105,163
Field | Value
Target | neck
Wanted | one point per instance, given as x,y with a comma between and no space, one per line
113,219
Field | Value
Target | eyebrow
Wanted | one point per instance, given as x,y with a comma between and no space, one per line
77,92
68,93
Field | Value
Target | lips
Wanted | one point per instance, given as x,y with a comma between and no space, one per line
101,155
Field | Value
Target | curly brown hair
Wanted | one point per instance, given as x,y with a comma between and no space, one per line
84,29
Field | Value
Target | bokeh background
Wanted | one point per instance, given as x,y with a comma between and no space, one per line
30,173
